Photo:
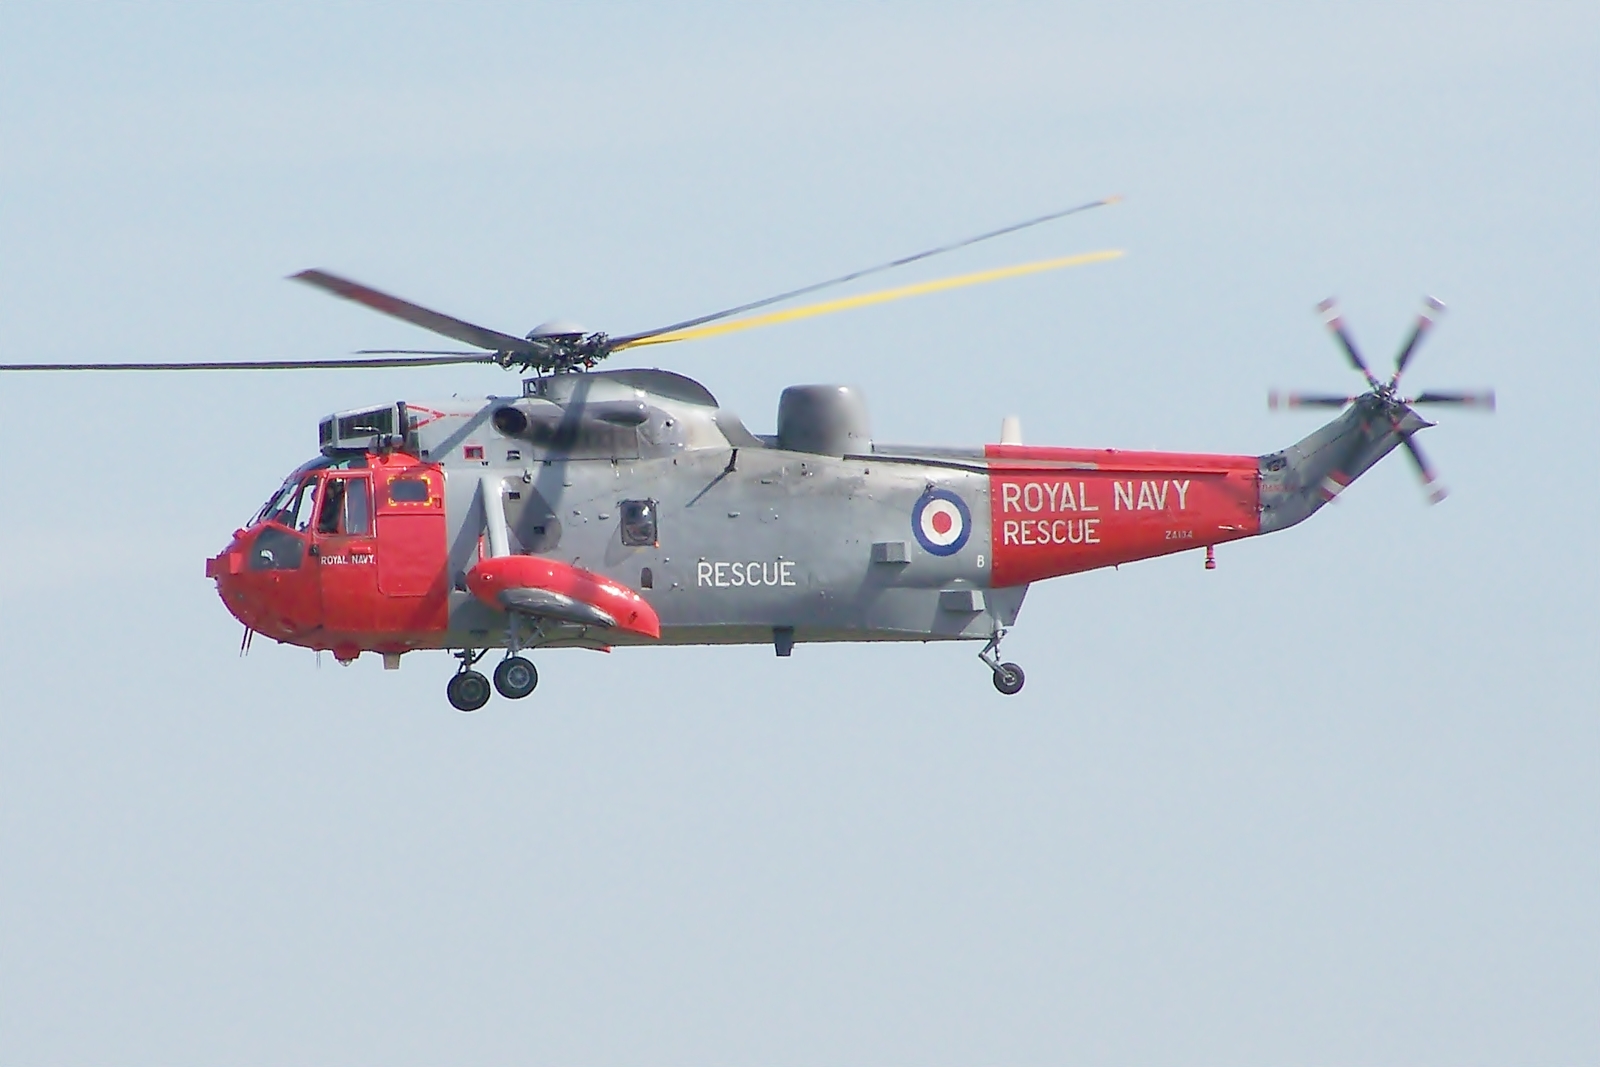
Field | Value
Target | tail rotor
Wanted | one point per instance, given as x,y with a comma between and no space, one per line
1384,397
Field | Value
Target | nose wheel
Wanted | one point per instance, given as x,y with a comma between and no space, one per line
1008,677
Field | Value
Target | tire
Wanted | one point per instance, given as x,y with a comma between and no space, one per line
515,678
1009,678
468,691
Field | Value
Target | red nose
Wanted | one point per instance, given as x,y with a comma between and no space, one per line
264,585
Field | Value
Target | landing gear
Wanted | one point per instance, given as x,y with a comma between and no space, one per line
515,678
1008,677
468,690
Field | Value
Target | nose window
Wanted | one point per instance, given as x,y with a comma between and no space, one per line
276,550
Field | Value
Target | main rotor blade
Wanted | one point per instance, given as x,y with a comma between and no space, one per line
882,296
1430,483
1431,310
1335,322
416,314
1484,399
417,352
1276,400
622,342
269,364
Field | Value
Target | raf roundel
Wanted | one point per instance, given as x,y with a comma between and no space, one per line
941,522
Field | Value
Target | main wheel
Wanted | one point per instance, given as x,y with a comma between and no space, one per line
1009,678
468,691
515,678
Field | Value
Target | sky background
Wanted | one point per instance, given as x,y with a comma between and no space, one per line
1335,802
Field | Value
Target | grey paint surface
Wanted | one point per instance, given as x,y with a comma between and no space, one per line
806,523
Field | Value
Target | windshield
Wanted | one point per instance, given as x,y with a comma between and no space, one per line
287,495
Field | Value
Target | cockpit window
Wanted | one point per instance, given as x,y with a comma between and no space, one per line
332,505
277,503
297,516
346,507
358,507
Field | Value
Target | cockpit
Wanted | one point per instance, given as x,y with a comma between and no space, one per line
292,513
350,544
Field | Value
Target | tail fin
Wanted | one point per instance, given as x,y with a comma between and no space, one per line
1300,479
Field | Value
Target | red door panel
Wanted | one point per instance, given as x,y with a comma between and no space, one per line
411,549
346,558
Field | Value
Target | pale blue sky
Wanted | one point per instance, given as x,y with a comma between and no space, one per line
1334,802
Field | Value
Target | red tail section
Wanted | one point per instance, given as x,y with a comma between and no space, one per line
1063,510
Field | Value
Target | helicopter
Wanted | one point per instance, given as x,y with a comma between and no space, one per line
609,508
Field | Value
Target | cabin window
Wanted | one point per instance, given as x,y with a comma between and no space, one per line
639,522
647,580
408,491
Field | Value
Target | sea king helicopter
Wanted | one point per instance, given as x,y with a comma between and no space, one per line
605,508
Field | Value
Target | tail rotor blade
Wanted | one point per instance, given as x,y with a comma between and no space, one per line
1432,308
1430,482
1277,400
1329,309
1484,399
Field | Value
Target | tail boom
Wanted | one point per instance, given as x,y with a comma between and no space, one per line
1299,480
1056,511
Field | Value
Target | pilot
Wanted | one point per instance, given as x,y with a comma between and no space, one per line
332,505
